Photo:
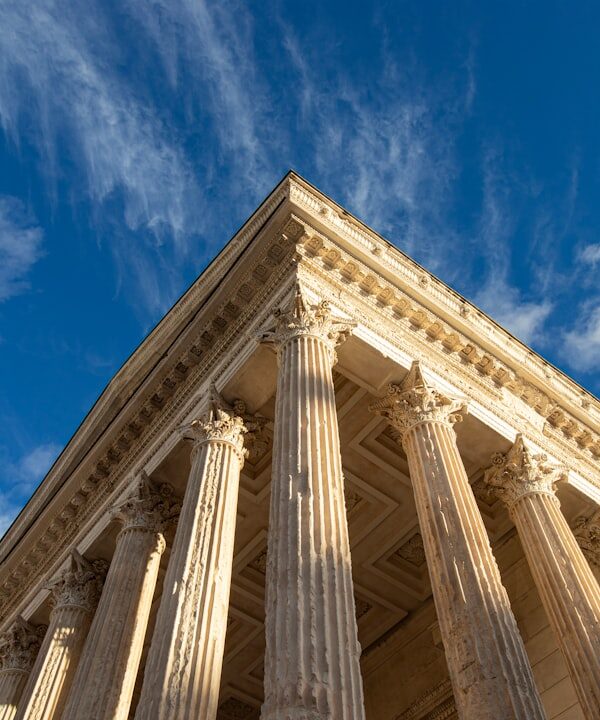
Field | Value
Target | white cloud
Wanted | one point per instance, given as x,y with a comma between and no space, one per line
210,47
34,465
506,306
387,150
18,479
581,348
590,255
20,246
58,85
496,295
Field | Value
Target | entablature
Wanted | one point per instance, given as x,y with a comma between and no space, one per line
211,327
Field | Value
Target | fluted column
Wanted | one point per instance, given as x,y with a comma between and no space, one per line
74,596
104,682
312,656
488,666
183,670
567,587
18,650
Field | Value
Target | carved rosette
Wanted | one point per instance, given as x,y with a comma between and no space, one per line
587,534
519,473
20,645
413,401
80,585
220,424
304,320
152,507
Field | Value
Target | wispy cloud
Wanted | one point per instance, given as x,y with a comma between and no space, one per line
57,87
19,478
590,255
209,47
386,149
496,294
20,246
581,346
506,305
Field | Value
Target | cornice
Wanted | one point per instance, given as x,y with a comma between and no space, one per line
106,471
150,353
392,315
392,264
492,372
393,296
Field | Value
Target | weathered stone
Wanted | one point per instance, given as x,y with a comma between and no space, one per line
312,655
488,666
565,582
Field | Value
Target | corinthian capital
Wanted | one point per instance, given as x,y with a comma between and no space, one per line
19,646
256,439
151,506
80,584
301,319
413,401
220,423
519,472
587,534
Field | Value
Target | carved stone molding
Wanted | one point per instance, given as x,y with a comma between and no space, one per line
220,423
413,401
362,607
80,584
587,534
235,709
519,472
256,440
151,506
302,319
436,704
111,464
399,306
19,646
351,498
259,563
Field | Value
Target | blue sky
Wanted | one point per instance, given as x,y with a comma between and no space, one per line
135,136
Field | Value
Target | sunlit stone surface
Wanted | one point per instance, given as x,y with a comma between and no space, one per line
294,524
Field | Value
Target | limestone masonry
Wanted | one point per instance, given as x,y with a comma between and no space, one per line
325,487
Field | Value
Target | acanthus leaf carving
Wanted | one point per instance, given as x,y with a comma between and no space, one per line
520,472
220,423
80,584
301,319
19,646
152,506
413,401
587,534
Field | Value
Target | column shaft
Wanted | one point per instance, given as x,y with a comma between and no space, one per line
567,587
74,595
12,683
105,678
490,672
104,682
312,652
183,671
568,590
488,666
51,677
